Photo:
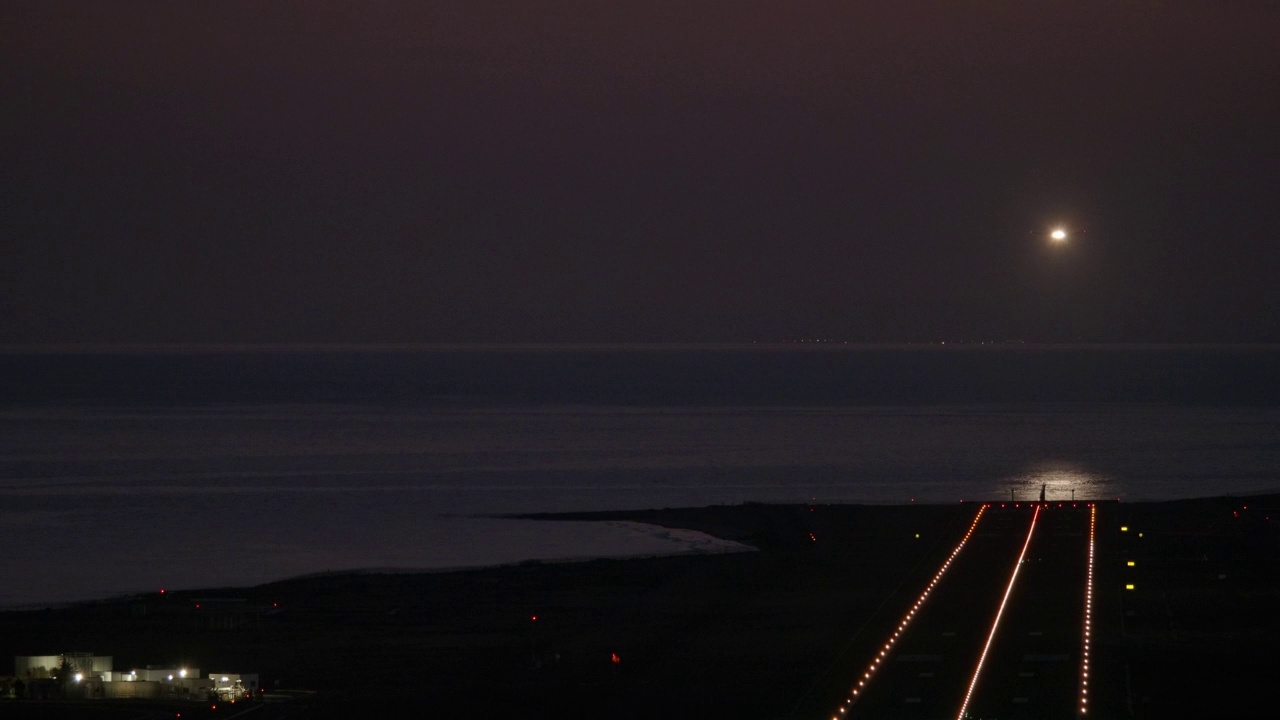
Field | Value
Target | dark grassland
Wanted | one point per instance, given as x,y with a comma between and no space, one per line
757,634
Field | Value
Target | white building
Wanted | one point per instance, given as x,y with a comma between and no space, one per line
162,674
87,665
94,677
234,687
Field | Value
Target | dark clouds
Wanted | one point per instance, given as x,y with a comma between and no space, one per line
419,171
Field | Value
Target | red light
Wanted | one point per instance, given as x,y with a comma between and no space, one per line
197,606
275,604
161,591
533,618
614,657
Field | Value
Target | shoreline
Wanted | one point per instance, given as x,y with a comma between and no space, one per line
755,634
722,538
694,542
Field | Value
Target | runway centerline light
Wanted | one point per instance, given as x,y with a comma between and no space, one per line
977,671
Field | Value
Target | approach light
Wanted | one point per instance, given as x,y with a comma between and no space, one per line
1058,235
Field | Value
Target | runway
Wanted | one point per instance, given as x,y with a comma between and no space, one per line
998,631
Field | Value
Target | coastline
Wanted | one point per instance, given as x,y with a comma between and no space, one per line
752,633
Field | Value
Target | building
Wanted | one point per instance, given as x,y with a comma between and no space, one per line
234,687
43,666
94,677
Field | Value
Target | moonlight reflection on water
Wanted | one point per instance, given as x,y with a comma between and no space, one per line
1062,481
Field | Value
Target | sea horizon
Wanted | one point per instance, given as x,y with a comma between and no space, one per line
149,469
587,346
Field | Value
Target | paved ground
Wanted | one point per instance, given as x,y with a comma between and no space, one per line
1032,667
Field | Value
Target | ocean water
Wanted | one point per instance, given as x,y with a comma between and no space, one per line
129,471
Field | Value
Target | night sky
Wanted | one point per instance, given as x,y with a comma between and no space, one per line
683,170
